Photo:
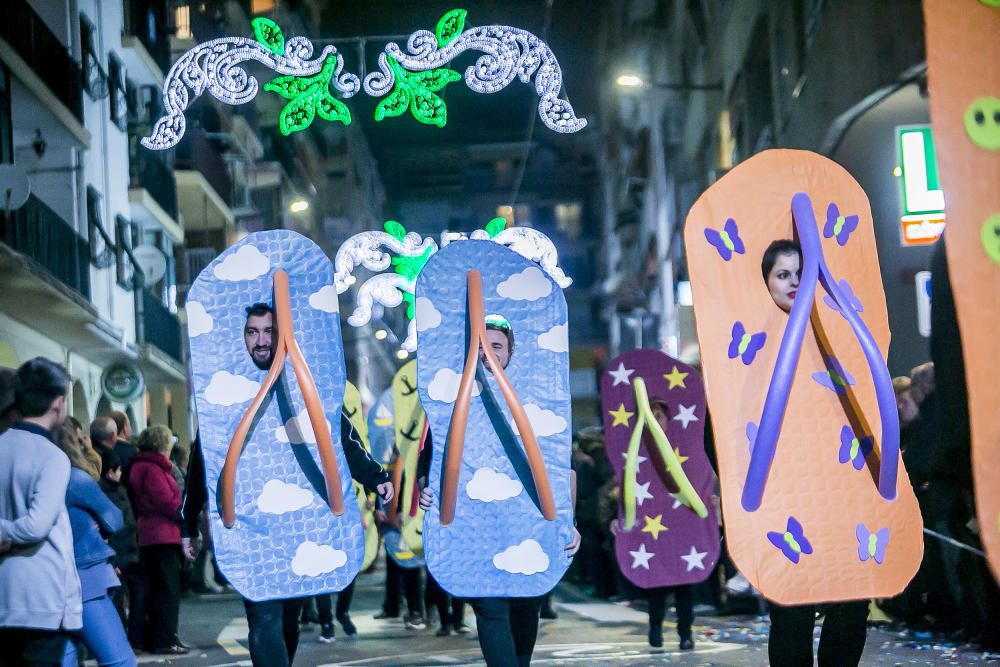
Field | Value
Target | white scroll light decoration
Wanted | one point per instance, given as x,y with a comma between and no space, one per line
508,52
387,288
215,66
406,80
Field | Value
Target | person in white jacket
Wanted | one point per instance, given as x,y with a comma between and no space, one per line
40,600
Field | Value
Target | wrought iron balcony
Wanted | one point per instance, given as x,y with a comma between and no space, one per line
50,243
148,170
160,327
27,34
197,152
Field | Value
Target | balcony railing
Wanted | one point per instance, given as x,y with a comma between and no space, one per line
22,28
160,327
147,20
197,152
38,232
147,170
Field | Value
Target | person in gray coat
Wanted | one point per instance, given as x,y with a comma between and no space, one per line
40,598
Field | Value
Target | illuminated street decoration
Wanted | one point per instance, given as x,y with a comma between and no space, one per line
407,80
215,66
410,252
507,52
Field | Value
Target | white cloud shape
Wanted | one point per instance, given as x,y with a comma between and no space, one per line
279,497
528,285
444,386
246,263
555,339
227,389
298,429
543,422
325,299
312,560
488,485
199,321
426,315
524,558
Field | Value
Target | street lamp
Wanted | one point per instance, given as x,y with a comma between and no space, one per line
298,205
402,354
628,81
381,334
633,81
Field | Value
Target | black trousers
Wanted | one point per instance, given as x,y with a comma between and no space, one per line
410,580
324,606
134,588
683,601
274,631
451,610
32,648
162,566
508,628
841,643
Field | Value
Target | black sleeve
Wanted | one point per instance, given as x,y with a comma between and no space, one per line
363,467
196,493
424,460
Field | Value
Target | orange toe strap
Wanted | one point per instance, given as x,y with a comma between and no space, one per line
460,414
286,347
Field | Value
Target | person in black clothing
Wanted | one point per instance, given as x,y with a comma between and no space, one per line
274,624
124,541
123,445
508,627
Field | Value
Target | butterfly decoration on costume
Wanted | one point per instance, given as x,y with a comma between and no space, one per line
745,345
727,241
852,299
872,545
839,226
854,449
834,378
792,542
751,431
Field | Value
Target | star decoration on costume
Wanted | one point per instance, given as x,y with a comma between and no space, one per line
694,559
621,375
680,459
641,557
686,414
654,526
621,416
642,493
678,501
638,461
675,378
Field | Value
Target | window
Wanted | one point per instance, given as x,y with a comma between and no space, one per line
101,246
118,89
95,81
129,274
182,17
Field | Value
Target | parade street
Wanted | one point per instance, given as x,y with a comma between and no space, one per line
587,632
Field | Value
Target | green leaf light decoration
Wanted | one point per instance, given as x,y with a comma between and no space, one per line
450,26
416,91
309,96
269,34
407,267
495,226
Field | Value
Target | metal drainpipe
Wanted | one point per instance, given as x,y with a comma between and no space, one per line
662,201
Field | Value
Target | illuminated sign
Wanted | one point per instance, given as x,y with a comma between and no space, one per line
923,218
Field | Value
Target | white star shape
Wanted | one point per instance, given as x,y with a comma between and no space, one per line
642,493
677,500
621,375
638,461
693,559
641,557
686,415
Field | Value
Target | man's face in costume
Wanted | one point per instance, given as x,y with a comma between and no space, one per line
500,345
259,335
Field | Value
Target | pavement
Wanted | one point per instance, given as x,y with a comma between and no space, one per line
587,632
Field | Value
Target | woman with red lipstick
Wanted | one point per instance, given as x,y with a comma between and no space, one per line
790,643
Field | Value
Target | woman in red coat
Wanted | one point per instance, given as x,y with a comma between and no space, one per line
157,501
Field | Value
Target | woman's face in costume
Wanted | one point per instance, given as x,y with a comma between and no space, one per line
661,416
783,280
